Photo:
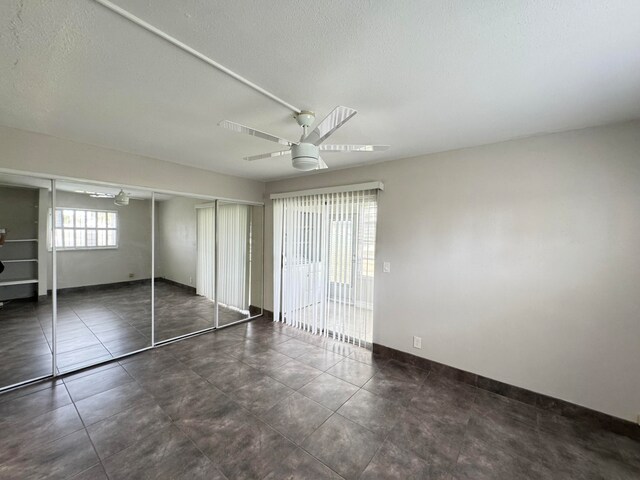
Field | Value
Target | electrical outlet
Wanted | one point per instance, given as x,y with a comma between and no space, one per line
386,267
131,275
417,342
190,280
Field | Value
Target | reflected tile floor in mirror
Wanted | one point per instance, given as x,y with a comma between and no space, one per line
95,325
262,400
25,352
179,311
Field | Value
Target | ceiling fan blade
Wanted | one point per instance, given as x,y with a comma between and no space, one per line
238,128
267,155
338,117
353,148
321,164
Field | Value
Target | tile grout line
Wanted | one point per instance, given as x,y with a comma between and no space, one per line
257,417
84,427
240,406
382,439
215,465
134,380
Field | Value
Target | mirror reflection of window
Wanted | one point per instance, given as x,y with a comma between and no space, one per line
103,272
78,228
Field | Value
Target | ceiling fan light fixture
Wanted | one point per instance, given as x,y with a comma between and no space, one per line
305,164
305,156
306,152
121,199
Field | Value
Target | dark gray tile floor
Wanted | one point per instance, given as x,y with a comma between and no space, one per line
97,325
262,400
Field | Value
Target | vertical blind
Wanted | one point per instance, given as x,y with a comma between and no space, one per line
324,257
205,275
234,267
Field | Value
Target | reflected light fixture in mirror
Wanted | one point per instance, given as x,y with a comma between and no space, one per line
121,199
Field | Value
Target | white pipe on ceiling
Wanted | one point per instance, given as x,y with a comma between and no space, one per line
147,26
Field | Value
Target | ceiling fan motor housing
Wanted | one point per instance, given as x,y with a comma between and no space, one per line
305,156
305,118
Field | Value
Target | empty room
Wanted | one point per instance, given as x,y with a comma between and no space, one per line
320,240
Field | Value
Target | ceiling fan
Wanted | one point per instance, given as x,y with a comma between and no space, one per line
306,152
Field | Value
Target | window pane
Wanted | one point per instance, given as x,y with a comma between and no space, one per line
111,238
67,218
68,239
102,219
340,263
80,218
80,238
91,238
367,268
76,228
59,243
91,219
58,218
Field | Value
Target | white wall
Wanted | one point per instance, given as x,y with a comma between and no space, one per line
19,211
518,261
30,152
177,247
78,268
37,153
176,240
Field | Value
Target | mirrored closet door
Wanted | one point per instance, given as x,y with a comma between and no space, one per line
240,262
103,247
25,306
93,272
184,286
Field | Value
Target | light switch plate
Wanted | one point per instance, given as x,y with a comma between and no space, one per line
417,342
386,267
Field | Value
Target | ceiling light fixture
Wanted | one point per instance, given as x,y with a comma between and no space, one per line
305,154
95,194
121,199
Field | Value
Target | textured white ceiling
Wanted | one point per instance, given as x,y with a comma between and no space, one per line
426,76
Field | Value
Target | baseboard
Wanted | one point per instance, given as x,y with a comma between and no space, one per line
539,400
189,288
102,286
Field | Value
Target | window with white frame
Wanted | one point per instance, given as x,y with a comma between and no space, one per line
81,229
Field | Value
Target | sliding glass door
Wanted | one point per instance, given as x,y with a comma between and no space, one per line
324,252
341,255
